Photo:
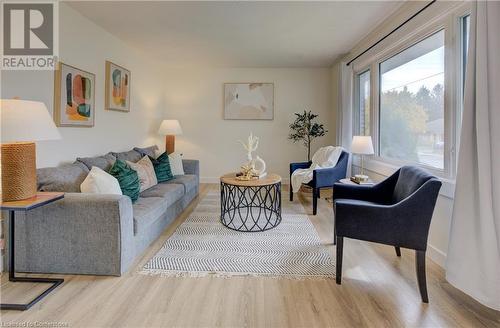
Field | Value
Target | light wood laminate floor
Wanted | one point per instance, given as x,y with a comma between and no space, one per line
378,290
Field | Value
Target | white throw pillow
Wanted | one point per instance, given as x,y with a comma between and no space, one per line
175,160
145,171
99,181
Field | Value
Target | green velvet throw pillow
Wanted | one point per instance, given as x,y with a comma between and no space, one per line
127,178
162,168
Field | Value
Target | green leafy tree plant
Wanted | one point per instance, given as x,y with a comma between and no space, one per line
305,129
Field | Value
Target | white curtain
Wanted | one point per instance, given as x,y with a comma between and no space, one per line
344,121
473,260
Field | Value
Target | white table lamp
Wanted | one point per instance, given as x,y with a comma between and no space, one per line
170,128
22,123
362,145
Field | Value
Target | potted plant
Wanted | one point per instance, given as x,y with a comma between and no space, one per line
305,129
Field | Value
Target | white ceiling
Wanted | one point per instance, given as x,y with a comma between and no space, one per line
240,34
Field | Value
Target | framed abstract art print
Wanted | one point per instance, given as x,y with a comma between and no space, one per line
248,101
117,90
74,97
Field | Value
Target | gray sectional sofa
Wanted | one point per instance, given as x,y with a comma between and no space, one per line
97,234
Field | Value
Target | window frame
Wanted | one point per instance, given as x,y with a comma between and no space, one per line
355,119
451,23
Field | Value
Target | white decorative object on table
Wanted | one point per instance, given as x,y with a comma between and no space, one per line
249,170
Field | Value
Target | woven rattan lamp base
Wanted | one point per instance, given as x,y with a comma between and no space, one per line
18,171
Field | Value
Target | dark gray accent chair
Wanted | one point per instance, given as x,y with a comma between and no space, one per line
395,212
322,178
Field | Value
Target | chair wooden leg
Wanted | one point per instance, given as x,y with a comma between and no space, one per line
420,267
338,263
315,200
334,233
398,251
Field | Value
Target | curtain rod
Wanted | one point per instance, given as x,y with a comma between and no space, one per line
394,30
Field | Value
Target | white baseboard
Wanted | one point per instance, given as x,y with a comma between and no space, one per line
436,255
217,180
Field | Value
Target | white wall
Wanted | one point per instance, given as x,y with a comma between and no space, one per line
195,98
87,46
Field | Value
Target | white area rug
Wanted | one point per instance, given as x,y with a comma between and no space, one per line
202,246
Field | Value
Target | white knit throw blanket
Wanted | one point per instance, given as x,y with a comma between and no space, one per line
324,157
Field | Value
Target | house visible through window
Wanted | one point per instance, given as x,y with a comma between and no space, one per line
362,112
412,104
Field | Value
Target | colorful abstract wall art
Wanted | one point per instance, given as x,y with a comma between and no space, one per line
248,101
117,88
74,97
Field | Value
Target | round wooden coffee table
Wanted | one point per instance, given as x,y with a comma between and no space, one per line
250,206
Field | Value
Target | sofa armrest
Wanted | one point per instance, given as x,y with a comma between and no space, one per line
366,221
191,166
79,234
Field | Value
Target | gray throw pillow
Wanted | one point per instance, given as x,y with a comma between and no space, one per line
147,151
104,162
65,178
131,156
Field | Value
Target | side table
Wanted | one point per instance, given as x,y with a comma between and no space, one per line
346,181
41,199
250,206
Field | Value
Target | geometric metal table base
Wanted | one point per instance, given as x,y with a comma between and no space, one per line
21,307
54,281
250,208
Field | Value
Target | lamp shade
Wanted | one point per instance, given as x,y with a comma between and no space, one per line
362,145
25,121
170,127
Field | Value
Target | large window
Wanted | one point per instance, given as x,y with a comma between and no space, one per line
412,104
408,94
362,111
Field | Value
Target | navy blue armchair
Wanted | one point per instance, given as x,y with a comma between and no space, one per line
395,212
322,178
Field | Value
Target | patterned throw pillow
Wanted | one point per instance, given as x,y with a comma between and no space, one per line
162,168
127,178
145,171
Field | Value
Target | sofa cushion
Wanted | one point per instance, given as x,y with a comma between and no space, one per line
189,181
127,178
149,151
146,211
131,155
104,162
169,192
65,178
